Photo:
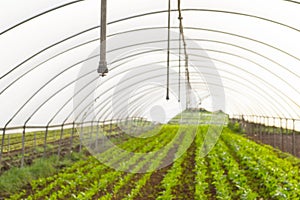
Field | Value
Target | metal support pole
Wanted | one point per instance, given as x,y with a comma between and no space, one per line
263,129
110,127
72,135
269,131
34,137
281,134
274,133
260,129
45,142
97,137
102,69
23,146
81,137
294,139
2,147
286,132
102,139
8,143
60,140
91,134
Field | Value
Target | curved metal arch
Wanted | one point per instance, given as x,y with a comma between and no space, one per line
242,14
231,89
58,91
45,61
223,70
251,51
40,14
136,113
146,90
43,50
214,31
53,78
205,10
107,90
247,72
236,91
291,1
157,12
255,63
70,3
262,80
58,54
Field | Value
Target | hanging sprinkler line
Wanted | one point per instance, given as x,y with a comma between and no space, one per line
179,65
187,74
168,53
102,68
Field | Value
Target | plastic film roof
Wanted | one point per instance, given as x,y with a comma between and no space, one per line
243,58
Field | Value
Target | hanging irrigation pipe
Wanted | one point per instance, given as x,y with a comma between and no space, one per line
168,50
102,68
188,85
179,66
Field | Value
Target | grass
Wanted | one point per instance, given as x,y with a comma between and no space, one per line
15,179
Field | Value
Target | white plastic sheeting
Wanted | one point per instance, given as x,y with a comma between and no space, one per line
245,56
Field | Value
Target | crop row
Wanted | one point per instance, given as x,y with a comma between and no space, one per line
236,168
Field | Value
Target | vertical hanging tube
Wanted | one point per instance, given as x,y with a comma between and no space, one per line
168,53
188,85
179,64
102,69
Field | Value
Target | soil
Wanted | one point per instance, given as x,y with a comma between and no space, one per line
186,190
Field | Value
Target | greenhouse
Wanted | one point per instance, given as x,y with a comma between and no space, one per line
174,99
